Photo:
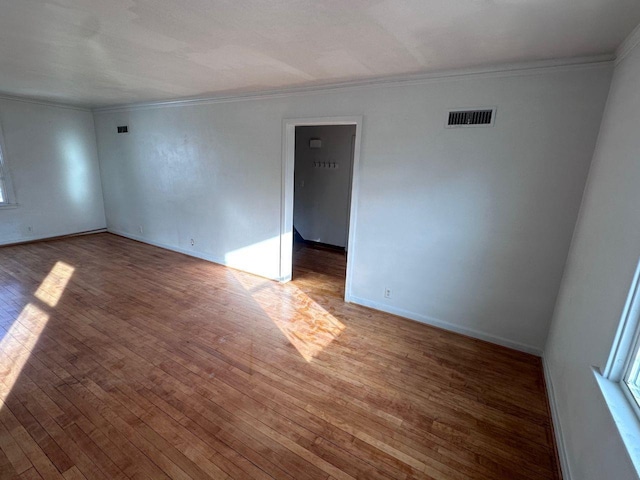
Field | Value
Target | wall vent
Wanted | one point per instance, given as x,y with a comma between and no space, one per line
471,118
123,129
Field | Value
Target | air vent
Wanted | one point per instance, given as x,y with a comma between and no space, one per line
471,118
123,129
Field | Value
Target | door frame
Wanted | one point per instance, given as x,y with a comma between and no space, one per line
288,168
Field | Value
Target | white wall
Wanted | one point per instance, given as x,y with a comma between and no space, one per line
597,279
469,227
51,155
321,206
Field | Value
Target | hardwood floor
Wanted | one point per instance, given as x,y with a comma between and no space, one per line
121,360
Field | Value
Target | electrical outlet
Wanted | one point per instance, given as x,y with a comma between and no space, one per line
140,227
387,292
193,242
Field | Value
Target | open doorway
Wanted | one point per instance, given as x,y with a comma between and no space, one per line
320,186
322,199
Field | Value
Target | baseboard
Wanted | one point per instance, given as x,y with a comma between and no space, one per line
323,246
184,251
469,332
45,238
557,426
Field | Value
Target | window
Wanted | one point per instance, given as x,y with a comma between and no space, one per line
630,382
3,194
632,378
6,192
623,366
620,380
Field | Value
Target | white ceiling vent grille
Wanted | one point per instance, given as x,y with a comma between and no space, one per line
471,118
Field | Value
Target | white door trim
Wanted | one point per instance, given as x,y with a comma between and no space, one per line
288,166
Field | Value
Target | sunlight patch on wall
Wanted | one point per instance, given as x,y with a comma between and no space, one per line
307,326
17,344
53,285
260,258
77,172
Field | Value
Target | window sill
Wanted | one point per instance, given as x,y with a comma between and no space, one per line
624,416
8,206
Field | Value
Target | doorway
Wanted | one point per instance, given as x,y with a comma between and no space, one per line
320,188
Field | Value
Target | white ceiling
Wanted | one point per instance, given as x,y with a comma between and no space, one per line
104,52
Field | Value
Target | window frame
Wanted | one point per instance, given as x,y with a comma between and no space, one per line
626,345
4,198
611,380
631,363
6,186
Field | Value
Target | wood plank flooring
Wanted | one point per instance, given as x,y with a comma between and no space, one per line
121,360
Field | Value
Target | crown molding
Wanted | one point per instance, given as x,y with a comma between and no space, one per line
627,46
44,103
504,70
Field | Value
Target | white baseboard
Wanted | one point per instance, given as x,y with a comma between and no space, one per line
39,238
184,251
557,426
470,332
173,248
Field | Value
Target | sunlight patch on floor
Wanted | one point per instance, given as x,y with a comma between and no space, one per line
22,336
307,326
51,288
17,344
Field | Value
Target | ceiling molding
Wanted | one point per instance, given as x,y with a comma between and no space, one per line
504,70
44,103
627,46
